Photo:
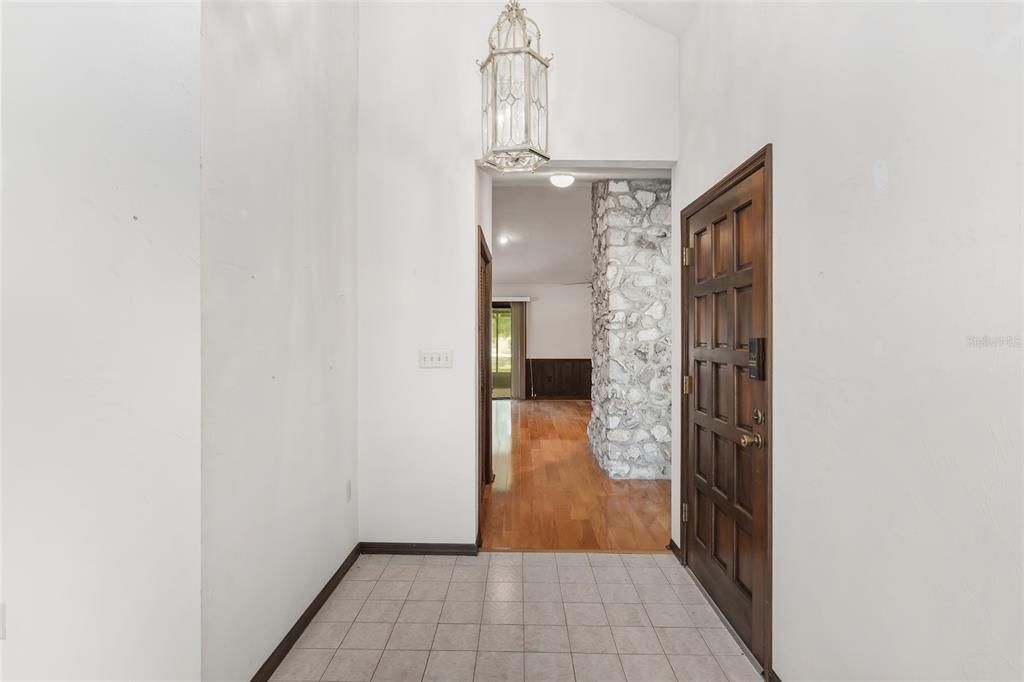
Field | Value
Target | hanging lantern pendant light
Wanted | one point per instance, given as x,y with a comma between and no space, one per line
514,80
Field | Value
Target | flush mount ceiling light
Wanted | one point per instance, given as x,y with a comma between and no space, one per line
514,80
561,180
503,239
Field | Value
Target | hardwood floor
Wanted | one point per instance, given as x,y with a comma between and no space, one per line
549,493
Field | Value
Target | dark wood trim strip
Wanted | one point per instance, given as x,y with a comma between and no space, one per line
769,275
677,550
434,548
761,158
556,397
282,649
771,676
485,393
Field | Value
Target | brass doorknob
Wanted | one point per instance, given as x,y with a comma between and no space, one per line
747,440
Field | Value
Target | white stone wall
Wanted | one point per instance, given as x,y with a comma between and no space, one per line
630,428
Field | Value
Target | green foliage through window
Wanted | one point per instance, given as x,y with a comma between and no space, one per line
501,347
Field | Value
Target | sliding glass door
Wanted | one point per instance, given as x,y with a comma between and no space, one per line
501,351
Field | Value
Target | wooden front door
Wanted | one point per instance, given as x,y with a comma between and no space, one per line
484,389
727,299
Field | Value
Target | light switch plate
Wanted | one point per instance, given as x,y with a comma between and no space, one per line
435,359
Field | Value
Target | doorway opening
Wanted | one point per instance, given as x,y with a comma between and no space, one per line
501,351
727,402
581,331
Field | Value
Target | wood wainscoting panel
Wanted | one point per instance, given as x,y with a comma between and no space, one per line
548,378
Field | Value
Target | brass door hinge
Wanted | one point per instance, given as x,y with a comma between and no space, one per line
687,385
686,512
687,256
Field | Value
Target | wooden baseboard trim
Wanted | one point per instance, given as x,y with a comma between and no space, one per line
675,549
275,658
434,548
282,649
559,397
771,676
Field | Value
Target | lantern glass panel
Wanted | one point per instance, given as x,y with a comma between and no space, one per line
519,110
514,106
538,104
510,114
487,106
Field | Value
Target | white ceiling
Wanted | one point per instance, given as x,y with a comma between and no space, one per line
548,232
584,173
672,17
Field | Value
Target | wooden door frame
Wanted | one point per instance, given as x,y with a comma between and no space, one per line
761,159
484,397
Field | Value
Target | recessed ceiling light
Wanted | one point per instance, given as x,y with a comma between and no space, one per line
503,239
561,180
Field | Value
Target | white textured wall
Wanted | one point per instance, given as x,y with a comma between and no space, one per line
418,139
558,319
1,334
897,218
278,256
484,207
101,347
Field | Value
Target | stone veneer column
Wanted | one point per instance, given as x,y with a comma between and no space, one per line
630,428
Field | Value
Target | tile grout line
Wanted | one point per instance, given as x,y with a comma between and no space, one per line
644,605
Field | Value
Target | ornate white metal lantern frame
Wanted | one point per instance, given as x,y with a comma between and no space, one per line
514,83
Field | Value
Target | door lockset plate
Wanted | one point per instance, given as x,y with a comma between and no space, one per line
751,440
756,358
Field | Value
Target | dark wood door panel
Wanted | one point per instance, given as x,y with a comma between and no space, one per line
484,389
727,301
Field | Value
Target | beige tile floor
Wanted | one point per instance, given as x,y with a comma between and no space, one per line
517,617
